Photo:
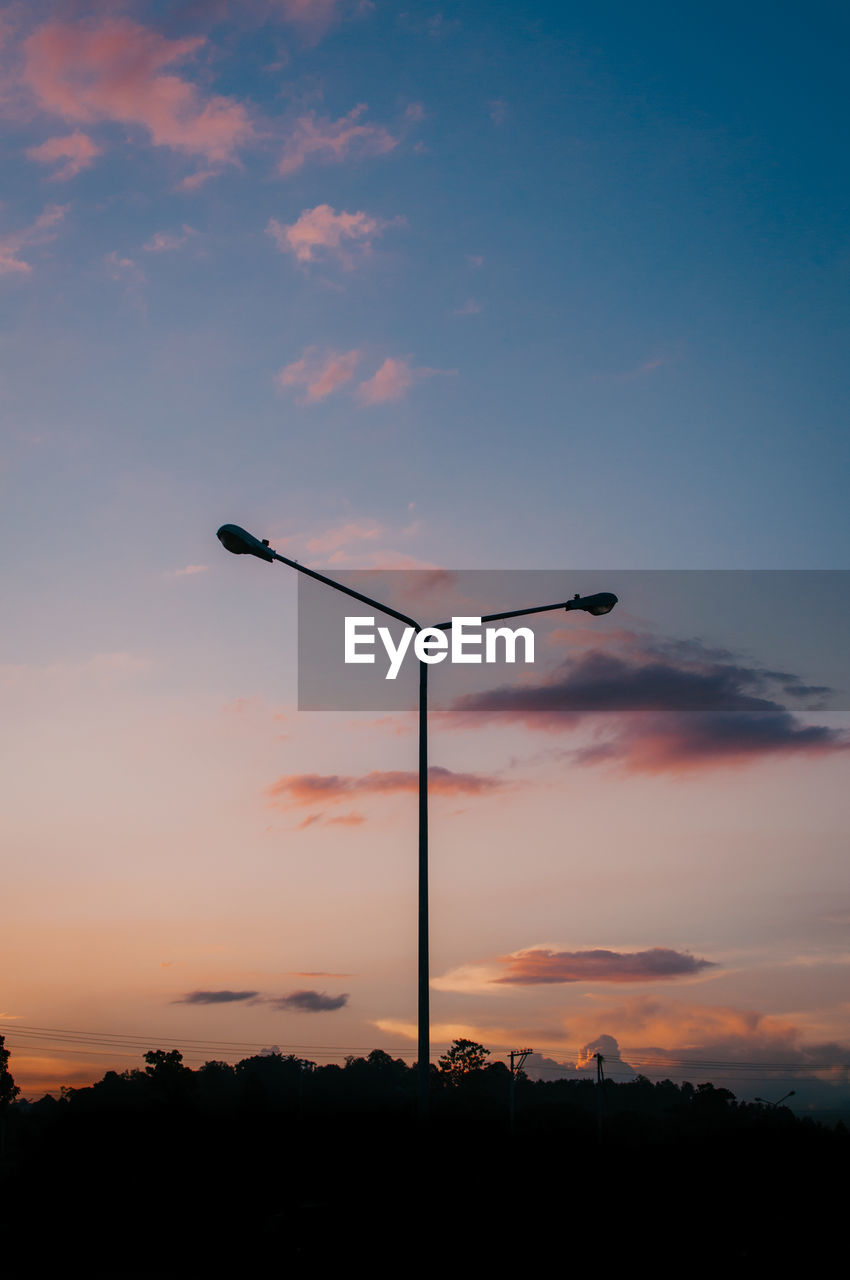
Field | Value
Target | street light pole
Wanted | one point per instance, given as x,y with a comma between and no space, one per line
239,542
424,1004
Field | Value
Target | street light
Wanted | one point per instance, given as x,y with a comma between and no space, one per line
239,542
773,1105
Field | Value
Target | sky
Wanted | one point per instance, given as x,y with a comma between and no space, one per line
424,287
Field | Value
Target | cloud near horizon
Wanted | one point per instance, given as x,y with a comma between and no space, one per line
216,997
120,71
294,1002
309,1002
696,1042
541,965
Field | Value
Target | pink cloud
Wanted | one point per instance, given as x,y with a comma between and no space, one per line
190,570
348,820
39,232
114,70
333,140
343,536
10,263
311,17
671,707
360,543
321,229
77,150
681,742
165,241
195,180
296,789
319,373
395,376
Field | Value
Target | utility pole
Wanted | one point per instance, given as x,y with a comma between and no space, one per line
517,1057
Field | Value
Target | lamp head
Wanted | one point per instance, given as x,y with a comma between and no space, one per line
602,602
241,543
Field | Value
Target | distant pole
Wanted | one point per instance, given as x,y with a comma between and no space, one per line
517,1057
600,1097
774,1105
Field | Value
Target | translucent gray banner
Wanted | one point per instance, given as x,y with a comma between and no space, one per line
768,641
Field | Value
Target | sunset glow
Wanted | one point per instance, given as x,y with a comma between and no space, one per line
521,288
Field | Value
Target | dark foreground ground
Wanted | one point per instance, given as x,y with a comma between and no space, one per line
151,1180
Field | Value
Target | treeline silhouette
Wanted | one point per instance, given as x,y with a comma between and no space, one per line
277,1161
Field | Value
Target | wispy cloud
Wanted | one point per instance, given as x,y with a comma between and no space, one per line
361,543
121,71
167,241
77,150
331,141
194,181
687,741
344,536
394,378
127,272
189,571
470,308
643,369
39,232
324,233
312,18
298,789
319,373
318,973
216,997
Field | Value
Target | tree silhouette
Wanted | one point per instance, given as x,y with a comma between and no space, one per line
464,1057
169,1078
8,1089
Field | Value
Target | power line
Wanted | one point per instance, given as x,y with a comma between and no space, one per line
125,1044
